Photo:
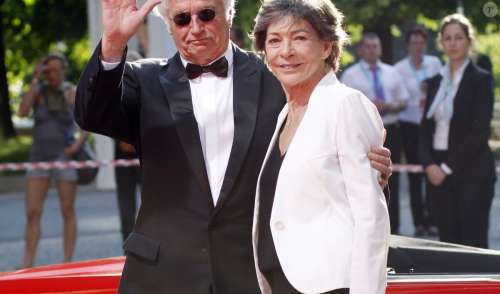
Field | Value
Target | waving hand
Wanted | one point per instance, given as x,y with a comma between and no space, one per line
121,20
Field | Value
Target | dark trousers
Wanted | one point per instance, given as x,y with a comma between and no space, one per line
393,142
418,202
461,208
127,181
280,285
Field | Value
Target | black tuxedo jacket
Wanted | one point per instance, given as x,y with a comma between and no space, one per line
181,242
469,156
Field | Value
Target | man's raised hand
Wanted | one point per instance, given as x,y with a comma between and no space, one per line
121,19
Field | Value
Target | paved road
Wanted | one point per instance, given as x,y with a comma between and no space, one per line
98,227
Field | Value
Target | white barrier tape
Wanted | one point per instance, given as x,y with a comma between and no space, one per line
409,168
66,164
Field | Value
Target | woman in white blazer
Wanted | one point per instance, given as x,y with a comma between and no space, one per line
321,223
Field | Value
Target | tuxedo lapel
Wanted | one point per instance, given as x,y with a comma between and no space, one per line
177,92
246,89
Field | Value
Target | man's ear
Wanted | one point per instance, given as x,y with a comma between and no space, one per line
230,17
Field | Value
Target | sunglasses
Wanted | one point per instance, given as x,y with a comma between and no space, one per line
184,18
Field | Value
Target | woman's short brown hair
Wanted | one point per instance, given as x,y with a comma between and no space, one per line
322,15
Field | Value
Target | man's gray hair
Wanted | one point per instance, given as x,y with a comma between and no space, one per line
162,10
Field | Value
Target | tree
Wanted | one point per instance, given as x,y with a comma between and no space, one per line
6,125
381,16
32,28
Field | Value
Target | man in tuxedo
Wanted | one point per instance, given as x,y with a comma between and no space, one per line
201,123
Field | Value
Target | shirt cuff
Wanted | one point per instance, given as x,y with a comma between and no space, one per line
447,170
109,65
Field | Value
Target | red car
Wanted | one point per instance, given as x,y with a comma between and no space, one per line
414,266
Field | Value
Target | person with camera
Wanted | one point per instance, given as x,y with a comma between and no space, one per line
51,98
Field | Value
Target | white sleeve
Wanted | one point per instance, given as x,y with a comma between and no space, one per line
402,92
359,130
346,78
109,65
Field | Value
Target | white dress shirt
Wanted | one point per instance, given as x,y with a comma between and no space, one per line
360,78
442,105
413,79
212,99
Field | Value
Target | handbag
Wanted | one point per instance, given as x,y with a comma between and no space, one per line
86,175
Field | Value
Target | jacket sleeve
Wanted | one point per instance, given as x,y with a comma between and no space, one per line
426,130
359,130
478,135
107,100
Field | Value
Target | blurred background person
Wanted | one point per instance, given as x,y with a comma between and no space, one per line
414,69
454,140
483,61
383,85
128,178
54,138
238,36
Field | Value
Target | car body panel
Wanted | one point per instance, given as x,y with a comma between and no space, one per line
415,266
98,276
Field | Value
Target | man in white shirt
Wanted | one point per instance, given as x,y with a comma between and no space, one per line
414,69
382,84
201,123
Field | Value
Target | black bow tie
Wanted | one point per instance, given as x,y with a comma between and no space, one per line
218,68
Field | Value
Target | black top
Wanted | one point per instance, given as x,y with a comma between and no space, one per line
268,259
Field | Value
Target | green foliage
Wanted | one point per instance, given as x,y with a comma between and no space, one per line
34,28
488,44
15,149
245,15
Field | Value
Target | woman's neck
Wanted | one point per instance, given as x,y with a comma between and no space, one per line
455,65
298,95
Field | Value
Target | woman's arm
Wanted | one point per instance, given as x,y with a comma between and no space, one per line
426,130
30,96
360,129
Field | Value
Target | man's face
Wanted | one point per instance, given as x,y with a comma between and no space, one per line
200,41
370,50
416,45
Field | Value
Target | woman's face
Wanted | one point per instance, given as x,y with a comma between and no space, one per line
295,53
455,43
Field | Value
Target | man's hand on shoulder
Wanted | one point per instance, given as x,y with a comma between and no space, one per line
380,159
